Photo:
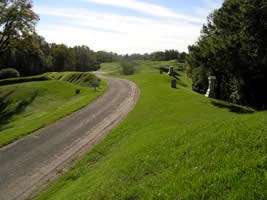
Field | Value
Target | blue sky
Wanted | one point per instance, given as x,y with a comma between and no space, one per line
124,26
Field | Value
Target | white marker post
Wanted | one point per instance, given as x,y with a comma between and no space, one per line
211,90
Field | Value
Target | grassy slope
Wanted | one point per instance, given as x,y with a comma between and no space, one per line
176,144
142,66
26,107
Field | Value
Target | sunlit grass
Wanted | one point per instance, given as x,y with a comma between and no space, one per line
26,107
176,144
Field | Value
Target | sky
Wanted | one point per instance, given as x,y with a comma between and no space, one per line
124,26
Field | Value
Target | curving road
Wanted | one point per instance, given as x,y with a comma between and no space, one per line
29,164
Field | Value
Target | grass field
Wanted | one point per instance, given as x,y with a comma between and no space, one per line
141,66
175,144
26,107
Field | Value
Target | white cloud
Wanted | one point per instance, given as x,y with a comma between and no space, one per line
147,8
112,41
210,6
112,32
213,3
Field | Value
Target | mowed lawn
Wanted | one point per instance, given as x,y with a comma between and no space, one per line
141,66
176,144
26,107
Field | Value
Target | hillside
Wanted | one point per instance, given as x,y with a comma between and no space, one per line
28,104
176,144
141,66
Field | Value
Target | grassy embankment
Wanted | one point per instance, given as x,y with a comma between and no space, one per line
176,144
141,66
27,104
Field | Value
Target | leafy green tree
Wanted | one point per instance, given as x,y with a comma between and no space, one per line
26,56
128,68
9,73
232,47
17,20
102,56
62,58
85,59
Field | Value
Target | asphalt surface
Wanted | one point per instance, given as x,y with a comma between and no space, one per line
29,164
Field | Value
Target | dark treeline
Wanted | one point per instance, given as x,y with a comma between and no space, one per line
233,47
157,56
33,55
22,49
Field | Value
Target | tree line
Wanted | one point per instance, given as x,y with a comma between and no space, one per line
32,55
233,47
156,56
23,49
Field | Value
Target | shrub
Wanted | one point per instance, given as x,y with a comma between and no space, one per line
24,80
200,80
128,68
9,73
77,91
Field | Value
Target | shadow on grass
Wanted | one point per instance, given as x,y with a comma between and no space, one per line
233,108
179,82
7,110
175,75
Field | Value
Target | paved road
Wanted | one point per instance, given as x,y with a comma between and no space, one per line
30,163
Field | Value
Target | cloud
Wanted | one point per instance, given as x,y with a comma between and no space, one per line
110,42
213,4
147,8
113,32
210,6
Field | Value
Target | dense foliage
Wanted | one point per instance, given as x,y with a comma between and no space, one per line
157,56
233,47
128,68
27,52
32,55
9,73
17,20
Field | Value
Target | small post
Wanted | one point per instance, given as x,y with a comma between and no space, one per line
160,71
77,91
95,85
173,83
211,90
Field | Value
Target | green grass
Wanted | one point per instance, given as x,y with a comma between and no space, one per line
141,66
175,144
26,107
9,81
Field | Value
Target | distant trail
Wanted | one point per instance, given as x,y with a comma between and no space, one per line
33,161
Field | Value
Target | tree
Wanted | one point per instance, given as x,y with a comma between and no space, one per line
232,47
128,68
26,55
17,20
102,56
85,59
62,58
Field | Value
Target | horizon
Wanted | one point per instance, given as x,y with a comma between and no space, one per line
124,26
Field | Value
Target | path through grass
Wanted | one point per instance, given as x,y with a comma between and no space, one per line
176,144
26,107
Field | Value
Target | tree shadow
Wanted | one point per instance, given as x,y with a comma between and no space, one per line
7,111
175,74
233,108
181,83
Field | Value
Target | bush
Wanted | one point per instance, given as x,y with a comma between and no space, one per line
9,73
24,80
200,80
128,68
